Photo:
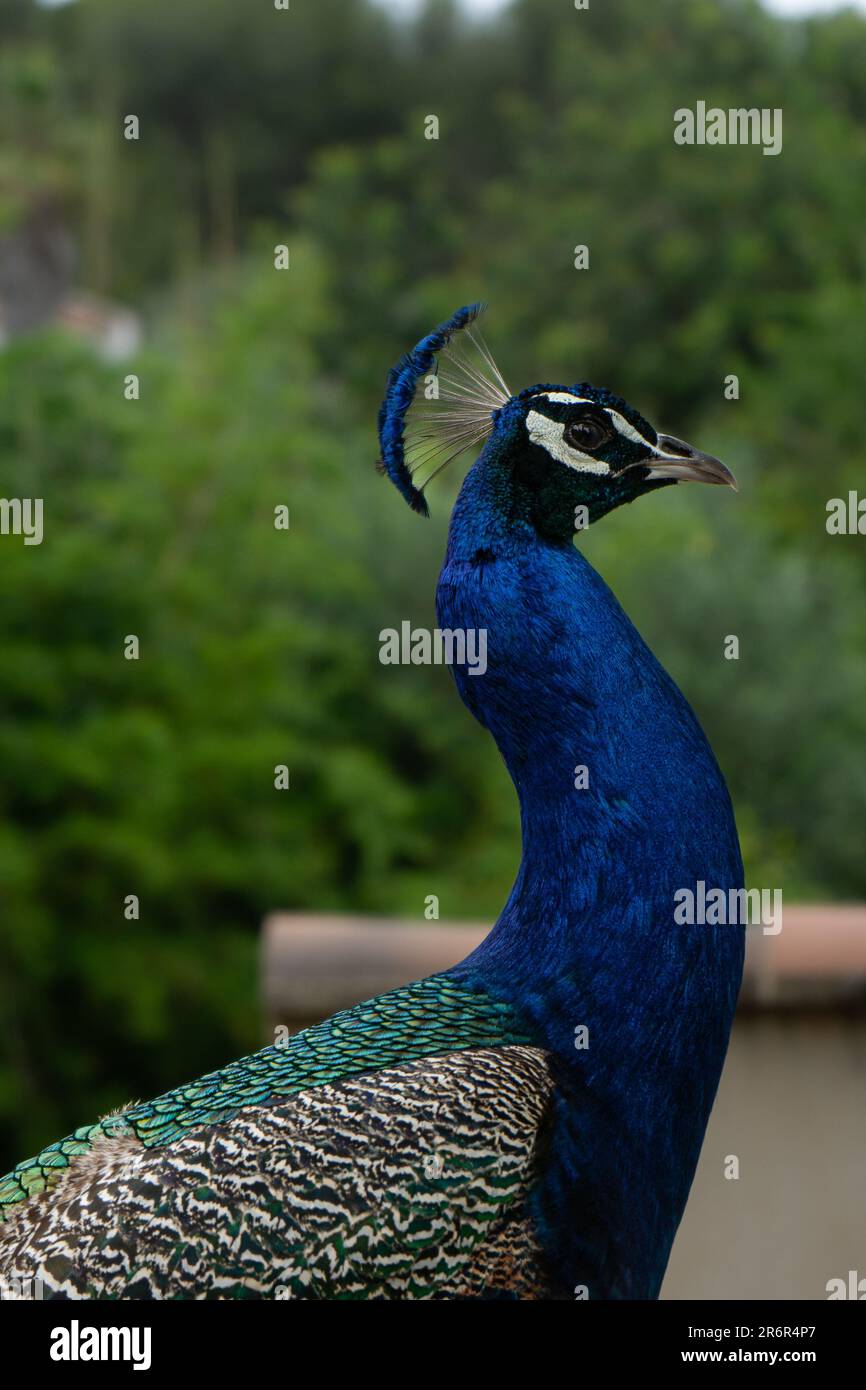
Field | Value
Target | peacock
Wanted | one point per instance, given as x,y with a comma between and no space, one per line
527,1123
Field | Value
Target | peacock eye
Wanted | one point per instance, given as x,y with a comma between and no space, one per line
586,435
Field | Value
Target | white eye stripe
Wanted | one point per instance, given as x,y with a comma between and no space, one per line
627,430
564,398
549,434
619,422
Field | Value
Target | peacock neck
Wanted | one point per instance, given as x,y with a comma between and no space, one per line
621,804
621,800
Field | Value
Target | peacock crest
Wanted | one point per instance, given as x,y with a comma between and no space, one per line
440,401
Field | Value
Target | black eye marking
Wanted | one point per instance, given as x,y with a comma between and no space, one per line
587,434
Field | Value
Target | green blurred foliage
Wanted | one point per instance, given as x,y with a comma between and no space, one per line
259,388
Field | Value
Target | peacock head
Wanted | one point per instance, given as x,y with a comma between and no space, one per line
559,448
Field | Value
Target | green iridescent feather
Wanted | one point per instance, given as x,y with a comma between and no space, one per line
432,1016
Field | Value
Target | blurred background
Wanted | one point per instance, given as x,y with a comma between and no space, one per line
259,387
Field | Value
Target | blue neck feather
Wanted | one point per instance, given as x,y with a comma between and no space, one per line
587,937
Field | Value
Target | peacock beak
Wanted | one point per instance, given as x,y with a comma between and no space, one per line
674,458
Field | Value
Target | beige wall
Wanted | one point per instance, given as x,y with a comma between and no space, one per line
792,1107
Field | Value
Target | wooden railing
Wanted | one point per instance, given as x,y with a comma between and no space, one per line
313,964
